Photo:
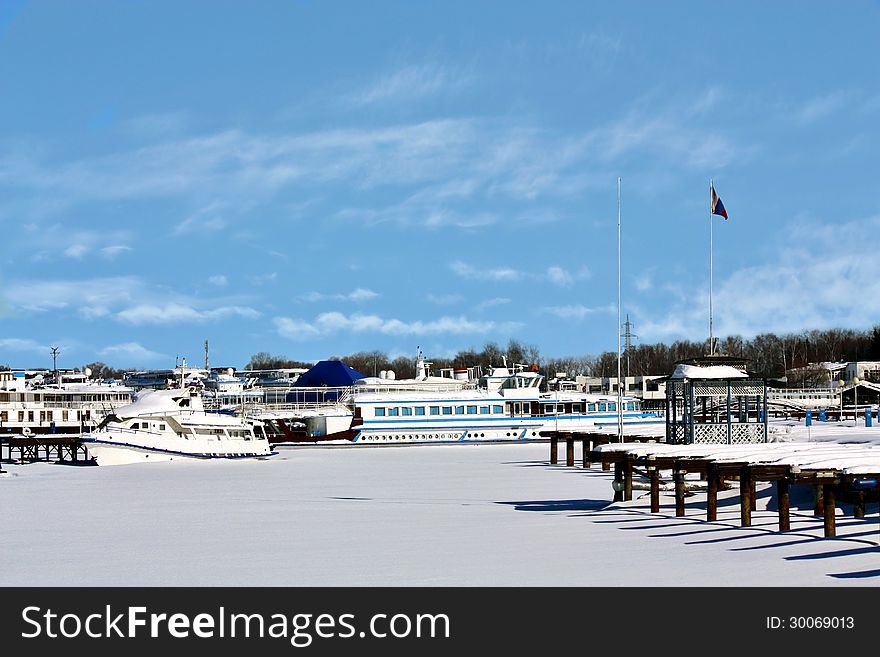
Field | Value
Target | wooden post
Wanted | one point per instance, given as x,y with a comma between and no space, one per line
819,506
828,498
569,450
585,451
628,478
745,493
753,498
554,442
784,503
678,478
655,488
859,506
711,493
618,482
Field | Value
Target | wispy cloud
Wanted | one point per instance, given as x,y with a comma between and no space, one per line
497,274
821,106
131,354
444,299
175,313
412,83
802,288
357,295
492,303
22,344
127,299
219,280
335,322
576,311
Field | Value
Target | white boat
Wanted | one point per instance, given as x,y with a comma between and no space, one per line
169,424
508,405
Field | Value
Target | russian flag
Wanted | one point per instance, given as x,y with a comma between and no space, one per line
717,205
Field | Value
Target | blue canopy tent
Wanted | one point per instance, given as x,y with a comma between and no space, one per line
324,374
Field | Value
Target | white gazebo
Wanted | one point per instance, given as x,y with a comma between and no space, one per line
715,400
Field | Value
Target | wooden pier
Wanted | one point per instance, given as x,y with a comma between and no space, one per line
636,457
56,448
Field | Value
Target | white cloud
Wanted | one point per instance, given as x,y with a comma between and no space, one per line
132,353
219,280
810,287
412,83
492,303
498,274
173,313
444,299
335,322
357,295
18,344
114,251
576,311
822,106
76,251
205,219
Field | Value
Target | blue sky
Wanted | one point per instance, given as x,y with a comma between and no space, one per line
313,179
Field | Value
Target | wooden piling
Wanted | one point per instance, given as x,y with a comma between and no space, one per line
628,478
618,482
554,444
828,499
745,494
819,503
784,503
678,478
859,505
753,497
585,451
711,493
655,488
569,450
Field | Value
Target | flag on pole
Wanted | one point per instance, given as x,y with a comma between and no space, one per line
717,205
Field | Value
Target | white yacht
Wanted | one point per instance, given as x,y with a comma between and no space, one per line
168,424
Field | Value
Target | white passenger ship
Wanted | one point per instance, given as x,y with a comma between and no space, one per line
508,405
69,404
168,424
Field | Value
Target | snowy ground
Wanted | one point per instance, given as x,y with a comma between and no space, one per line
495,515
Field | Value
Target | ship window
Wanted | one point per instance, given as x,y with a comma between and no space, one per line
435,410
630,406
602,407
484,410
394,411
380,411
497,409
447,410
575,408
420,410
4,416
591,408
472,410
406,410
161,427
612,407
516,408
459,410
548,408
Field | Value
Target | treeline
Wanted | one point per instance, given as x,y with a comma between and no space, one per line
767,355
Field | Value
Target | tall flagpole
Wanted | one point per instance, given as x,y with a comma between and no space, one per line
711,339
619,392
